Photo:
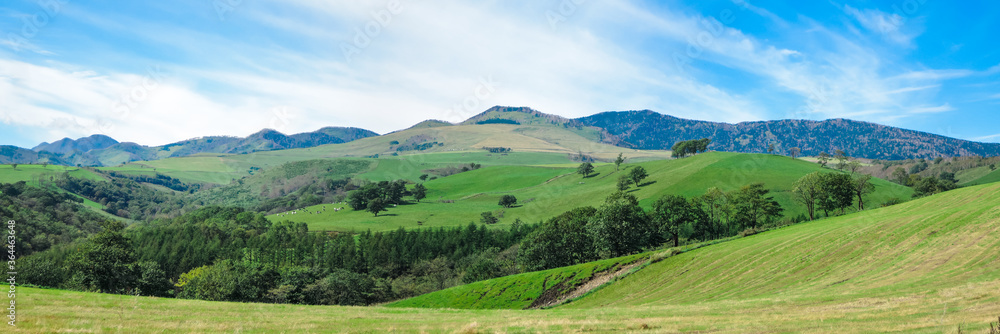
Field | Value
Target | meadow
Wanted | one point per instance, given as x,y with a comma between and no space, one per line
927,266
546,191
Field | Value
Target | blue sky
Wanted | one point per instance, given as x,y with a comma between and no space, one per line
156,72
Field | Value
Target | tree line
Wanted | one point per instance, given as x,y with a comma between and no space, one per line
621,227
229,254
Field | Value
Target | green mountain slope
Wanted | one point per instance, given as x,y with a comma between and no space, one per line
948,243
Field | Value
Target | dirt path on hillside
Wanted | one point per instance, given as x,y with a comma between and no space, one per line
552,297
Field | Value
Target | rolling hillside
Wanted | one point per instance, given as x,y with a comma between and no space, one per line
928,266
547,191
459,144
654,131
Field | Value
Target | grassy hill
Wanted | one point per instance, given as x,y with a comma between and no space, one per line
927,266
33,173
546,191
543,142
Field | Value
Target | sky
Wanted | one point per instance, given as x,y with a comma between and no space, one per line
156,72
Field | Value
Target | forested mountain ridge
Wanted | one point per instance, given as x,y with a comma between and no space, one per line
646,129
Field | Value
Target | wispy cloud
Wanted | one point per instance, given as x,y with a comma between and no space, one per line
891,27
427,60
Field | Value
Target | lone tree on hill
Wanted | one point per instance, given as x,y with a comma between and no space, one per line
619,160
585,169
507,201
488,218
794,152
770,148
376,205
13,166
423,177
419,192
824,158
854,167
841,159
623,182
637,175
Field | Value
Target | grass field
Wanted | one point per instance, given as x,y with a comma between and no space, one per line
544,192
927,266
517,291
33,173
990,177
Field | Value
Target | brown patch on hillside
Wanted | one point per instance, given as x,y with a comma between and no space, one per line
559,294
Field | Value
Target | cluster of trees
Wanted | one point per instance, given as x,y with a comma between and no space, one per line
159,179
925,186
314,193
620,226
498,149
831,192
376,197
417,147
635,176
126,198
45,218
229,254
690,147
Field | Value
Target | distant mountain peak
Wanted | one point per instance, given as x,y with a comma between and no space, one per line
517,115
85,144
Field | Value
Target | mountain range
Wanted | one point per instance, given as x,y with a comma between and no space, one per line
647,129
101,150
642,129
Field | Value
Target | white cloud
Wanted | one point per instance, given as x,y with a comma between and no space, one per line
433,57
892,27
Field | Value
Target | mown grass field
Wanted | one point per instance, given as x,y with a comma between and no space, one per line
927,266
517,291
989,176
545,191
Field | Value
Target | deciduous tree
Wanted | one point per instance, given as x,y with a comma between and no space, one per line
754,207
862,187
585,169
419,192
794,152
838,192
807,190
619,160
671,212
637,175
377,205
507,201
